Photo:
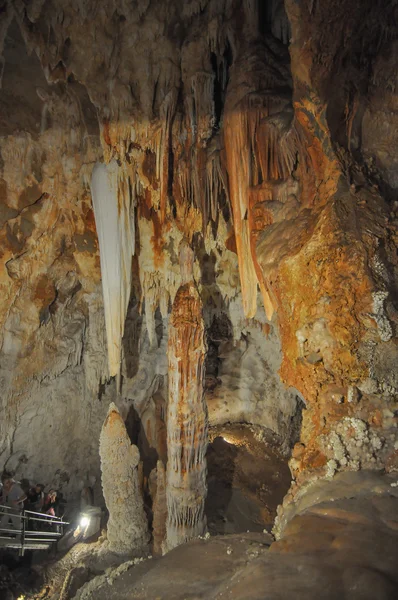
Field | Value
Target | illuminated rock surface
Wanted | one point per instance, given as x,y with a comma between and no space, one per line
127,529
187,425
264,135
345,548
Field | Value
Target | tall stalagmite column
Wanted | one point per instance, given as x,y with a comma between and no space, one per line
127,524
187,428
159,509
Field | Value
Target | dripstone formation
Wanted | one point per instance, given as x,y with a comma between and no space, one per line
187,424
127,529
199,224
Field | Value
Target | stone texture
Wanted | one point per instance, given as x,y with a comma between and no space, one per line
187,424
163,124
127,529
266,140
346,548
159,509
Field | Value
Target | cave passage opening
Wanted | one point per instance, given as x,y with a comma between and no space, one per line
247,475
247,478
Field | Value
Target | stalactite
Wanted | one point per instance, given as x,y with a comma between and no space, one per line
127,524
158,289
114,216
4,25
202,109
197,175
238,153
159,509
276,146
193,7
278,21
162,156
216,182
350,113
187,426
261,146
251,14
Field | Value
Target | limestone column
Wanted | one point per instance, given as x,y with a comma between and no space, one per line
187,426
159,509
127,524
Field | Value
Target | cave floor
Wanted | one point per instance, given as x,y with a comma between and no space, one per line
341,545
247,479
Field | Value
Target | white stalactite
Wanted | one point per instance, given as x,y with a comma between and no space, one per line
113,204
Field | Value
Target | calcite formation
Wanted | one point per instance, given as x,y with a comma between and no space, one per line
113,203
198,220
159,509
187,427
345,547
263,138
127,530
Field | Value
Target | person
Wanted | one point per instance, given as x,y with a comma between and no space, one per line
13,499
35,498
50,503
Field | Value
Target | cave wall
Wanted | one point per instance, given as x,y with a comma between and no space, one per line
141,84
276,162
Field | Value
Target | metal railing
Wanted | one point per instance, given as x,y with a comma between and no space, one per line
37,531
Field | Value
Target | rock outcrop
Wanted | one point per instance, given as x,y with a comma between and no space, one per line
345,548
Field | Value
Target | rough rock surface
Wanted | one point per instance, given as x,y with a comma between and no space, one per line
159,509
127,529
267,140
143,85
342,543
187,424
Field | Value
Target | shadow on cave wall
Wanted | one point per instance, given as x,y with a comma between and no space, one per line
133,322
215,313
148,433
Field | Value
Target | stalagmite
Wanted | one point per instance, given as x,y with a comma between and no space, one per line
187,427
159,509
127,524
114,217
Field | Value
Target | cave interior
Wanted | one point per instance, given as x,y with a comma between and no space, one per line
198,294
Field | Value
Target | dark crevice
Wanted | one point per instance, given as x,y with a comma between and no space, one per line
263,10
217,92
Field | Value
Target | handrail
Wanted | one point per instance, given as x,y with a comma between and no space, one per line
25,537
31,512
22,515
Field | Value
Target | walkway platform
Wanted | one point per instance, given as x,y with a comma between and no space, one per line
36,532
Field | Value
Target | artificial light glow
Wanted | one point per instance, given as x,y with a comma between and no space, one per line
227,440
84,521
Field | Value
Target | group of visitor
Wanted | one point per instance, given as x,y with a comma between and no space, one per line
37,500
14,498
